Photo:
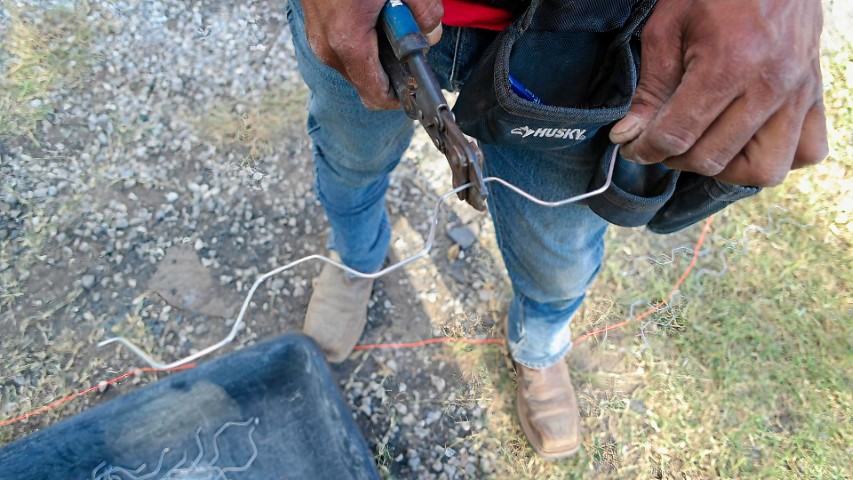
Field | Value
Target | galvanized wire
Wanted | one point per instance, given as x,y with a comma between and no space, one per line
420,254
199,469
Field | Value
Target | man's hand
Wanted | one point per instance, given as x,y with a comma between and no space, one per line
729,89
342,34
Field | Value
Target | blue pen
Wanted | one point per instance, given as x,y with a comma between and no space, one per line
522,91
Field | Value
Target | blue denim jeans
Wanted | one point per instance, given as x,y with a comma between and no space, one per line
552,254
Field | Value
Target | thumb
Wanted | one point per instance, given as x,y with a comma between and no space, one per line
660,75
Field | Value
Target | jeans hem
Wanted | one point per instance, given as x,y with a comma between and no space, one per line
542,364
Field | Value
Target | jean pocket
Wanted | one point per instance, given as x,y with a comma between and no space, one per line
556,76
695,198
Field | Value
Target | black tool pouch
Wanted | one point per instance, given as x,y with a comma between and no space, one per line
581,61
580,58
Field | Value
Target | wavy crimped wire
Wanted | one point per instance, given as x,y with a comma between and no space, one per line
774,225
199,469
666,315
420,254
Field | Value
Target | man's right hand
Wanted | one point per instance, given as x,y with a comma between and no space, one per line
342,34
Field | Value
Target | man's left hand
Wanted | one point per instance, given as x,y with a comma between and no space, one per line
730,89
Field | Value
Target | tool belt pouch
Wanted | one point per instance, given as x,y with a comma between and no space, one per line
696,197
581,61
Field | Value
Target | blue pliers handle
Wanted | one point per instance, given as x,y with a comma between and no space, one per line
402,51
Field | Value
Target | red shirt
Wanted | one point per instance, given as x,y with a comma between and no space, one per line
459,13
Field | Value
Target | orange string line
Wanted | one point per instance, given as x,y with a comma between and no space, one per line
663,302
475,341
376,346
67,399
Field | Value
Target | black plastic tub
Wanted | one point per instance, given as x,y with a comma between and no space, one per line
268,412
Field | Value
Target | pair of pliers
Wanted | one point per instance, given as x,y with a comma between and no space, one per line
402,51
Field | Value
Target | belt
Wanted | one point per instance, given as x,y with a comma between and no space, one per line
508,5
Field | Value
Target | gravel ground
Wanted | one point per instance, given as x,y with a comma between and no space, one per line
164,148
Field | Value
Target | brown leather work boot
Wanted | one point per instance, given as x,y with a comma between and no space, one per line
548,410
337,311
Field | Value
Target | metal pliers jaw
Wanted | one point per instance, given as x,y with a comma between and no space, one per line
420,94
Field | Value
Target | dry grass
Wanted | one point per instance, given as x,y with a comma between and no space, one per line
44,50
254,129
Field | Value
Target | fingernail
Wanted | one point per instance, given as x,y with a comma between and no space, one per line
434,36
626,130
